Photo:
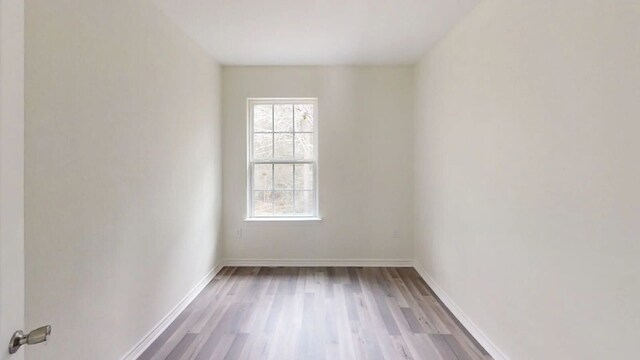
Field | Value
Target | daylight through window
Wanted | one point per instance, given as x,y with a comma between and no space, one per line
283,167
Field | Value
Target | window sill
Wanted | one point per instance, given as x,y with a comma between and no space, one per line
283,220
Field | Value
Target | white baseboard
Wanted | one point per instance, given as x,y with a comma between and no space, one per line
488,345
319,262
152,335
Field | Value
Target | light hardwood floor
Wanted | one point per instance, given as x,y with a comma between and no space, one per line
316,313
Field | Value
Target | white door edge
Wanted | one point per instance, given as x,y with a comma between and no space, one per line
11,173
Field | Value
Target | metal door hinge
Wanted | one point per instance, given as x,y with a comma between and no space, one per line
35,337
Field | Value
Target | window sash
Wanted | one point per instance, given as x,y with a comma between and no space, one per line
293,190
284,161
251,162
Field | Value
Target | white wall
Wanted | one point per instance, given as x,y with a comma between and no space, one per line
527,175
365,163
122,172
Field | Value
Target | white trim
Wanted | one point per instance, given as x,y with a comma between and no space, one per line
473,329
286,101
319,262
284,219
12,204
152,335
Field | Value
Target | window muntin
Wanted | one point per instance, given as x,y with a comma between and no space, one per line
282,158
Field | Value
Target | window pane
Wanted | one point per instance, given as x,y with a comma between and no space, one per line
304,146
263,203
304,203
262,118
263,177
283,176
304,117
283,118
283,146
304,177
262,146
283,132
283,202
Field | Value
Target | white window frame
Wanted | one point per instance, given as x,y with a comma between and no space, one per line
251,102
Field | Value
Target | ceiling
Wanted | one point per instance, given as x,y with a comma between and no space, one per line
316,32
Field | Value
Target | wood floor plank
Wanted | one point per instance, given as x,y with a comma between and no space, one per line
315,313
444,350
165,341
412,320
237,347
180,349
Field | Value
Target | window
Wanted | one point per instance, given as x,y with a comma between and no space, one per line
282,159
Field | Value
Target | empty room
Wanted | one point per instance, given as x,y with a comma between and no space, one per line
319,179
